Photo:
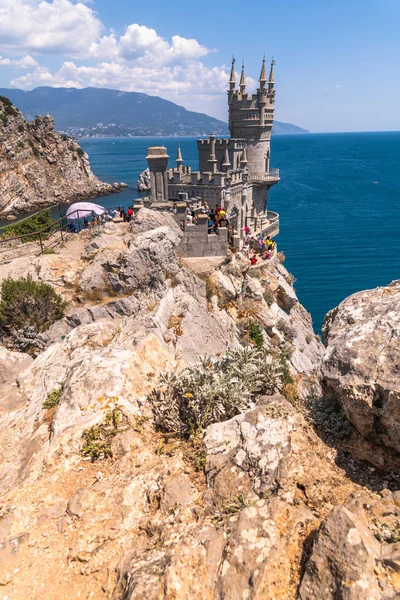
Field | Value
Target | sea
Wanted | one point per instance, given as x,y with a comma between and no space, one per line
338,201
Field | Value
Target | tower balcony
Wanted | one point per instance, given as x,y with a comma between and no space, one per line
267,224
259,177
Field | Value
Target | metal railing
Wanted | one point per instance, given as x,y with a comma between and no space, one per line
42,241
272,175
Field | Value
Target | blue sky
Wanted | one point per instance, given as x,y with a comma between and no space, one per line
337,63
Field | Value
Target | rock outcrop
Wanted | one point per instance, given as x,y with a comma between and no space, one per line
361,362
39,167
257,507
144,183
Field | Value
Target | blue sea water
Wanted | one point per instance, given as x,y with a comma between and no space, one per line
339,229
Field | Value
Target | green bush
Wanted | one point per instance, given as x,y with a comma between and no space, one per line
53,398
5,101
4,119
27,306
34,149
252,334
213,390
21,128
32,225
80,152
97,439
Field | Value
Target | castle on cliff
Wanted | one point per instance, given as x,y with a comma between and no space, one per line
234,172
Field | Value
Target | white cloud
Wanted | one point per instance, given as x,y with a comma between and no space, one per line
26,62
57,27
138,60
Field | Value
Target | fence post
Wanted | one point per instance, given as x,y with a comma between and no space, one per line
41,243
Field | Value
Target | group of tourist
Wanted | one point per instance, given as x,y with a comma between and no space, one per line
97,220
125,215
216,218
260,246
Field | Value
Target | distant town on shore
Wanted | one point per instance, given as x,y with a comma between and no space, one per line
93,112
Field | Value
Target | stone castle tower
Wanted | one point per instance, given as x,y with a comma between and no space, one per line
251,118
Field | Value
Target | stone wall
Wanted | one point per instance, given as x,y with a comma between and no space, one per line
197,241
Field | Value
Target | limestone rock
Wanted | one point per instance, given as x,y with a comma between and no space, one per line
39,167
251,448
147,219
343,560
144,183
361,361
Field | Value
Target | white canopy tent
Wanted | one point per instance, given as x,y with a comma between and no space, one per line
80,210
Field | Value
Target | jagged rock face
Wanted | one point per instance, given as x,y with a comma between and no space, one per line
38,167
144,183
147,521
343,560
362,359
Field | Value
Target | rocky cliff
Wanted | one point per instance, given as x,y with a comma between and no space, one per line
39,167
97,502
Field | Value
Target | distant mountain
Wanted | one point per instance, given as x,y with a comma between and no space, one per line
98,112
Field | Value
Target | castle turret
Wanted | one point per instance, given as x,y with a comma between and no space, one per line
212,161
179,159
271,78
251,119
232,79
242,84
226,164
263,76
157,159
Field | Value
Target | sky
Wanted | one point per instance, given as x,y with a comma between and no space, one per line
337,61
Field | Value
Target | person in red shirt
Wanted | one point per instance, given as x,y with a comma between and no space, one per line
130,214
253,259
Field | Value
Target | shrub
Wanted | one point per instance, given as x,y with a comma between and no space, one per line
213,390
327,415
21,128
27,306
288,332
287,379
20,144
53,398
269,296
252,333
97,439
80,152
281,257
4,119
6,101
10,110
34,149
32,225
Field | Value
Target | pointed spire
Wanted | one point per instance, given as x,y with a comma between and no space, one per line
263,75
271,79
226,162
242,84
232,78
179,159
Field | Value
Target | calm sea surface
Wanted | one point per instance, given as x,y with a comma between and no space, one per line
340,231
